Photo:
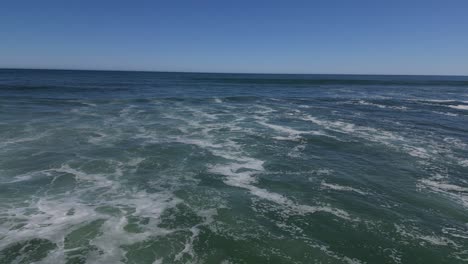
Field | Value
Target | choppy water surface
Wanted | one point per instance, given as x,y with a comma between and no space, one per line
109,167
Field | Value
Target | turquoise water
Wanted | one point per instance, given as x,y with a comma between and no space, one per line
135,167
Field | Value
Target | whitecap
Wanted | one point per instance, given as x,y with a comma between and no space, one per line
417,152
336,187
207,215
455,232
292,134
445,113
368,133
362,102
99,179
463,163
437,100
452,191
245,179
459,107
416,234
443,186
7,142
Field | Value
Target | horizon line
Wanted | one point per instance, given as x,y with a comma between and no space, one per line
245,73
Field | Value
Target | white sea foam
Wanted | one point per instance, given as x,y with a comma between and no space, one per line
207,215
362,102
53,221
443,186
264,109
240,173
84,111
436,100
23,177
54,217
463,163
145,205
50,222
452,191
126,111
245,179
97,137
296,152
336,187
88,103
12,141
416,234
135,161
315,172
445,113
455,142
459,107
158,261
237,168
292,134
367,133
334,255
394,254
20,178
203,143
418,152
203,114
288,138
99,179
426,150
456,232
283,129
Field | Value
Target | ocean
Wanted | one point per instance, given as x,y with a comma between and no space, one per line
148,167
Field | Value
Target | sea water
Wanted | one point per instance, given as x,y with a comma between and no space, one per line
142,167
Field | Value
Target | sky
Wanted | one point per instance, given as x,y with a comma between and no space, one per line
347,36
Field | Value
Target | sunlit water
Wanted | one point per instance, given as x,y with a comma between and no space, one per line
110,167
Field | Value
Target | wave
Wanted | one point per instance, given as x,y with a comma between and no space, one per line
459,107
336,187
331,81
245,180
291,134
444,186
415,234
451,191
240,169
368,133
61,88
363,102
445,113
454,104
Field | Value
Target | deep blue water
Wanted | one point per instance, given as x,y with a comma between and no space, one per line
143,167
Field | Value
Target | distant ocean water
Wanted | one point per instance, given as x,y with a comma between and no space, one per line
140,167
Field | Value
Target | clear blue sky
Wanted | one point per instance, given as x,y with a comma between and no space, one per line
349,36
